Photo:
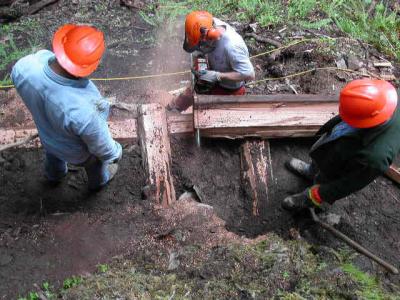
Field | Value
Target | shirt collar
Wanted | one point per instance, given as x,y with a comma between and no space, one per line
80,83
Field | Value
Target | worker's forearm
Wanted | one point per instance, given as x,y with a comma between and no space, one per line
235,76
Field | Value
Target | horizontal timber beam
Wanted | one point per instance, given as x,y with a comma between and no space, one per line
265,116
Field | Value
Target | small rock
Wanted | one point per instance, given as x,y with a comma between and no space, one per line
341,63
332,219
173,261
253,27
353,62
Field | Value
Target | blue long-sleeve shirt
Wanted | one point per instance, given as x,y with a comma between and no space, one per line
70,115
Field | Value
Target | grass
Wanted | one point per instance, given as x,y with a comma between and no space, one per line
369,287
271,269
359,19
10,50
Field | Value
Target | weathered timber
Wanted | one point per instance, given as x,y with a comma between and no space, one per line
276,117
260,132
121,130
207,100
256,172
19,142
180,123
156,152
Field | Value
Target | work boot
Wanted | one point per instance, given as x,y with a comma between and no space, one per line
112,169
297,202
301,168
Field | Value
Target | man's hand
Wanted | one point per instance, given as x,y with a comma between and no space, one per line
208,75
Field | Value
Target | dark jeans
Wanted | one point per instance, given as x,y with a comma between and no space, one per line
96,170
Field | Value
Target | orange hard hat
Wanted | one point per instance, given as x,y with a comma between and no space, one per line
194,23
78,48
366,103
199,28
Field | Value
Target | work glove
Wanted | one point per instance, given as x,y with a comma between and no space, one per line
310,197
208,76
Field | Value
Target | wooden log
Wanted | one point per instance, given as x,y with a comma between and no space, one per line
256,172
121,130
261,132
264,116
207,100
247,116
180,123
156,152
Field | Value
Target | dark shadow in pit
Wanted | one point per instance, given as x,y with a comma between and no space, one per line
369,216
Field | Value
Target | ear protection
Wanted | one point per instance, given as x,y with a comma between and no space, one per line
211,34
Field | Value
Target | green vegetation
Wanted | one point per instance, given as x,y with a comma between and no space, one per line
102,268
271,269
369,287
71,282
371,22
11,49
31,296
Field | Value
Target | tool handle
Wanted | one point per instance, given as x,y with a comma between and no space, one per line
354,244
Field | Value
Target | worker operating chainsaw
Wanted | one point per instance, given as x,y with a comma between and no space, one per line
68,110
354,147
220,58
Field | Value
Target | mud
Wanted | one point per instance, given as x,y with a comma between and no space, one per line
51,233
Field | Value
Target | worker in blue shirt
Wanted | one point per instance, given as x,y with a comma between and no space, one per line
69,111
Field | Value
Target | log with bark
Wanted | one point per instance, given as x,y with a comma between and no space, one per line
156,152
256,173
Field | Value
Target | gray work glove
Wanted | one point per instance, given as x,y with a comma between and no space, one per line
208,76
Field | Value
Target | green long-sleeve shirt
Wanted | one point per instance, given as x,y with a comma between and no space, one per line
355,159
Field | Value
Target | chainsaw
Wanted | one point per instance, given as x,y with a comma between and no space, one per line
199,65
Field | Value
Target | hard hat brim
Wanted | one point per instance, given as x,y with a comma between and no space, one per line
62,57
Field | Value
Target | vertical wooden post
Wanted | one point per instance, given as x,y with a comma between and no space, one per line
256,171
156,152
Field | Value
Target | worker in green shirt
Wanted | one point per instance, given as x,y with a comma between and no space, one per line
354,148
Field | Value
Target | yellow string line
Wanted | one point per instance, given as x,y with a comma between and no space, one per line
188,71
168,74
6,86
140,77
312,70
280,48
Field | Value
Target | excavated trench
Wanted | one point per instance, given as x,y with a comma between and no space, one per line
51,233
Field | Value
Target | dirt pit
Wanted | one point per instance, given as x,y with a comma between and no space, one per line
51,233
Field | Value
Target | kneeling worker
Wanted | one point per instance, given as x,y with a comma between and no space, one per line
68,110
226,62
354,148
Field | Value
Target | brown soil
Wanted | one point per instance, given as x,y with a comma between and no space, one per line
50,233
